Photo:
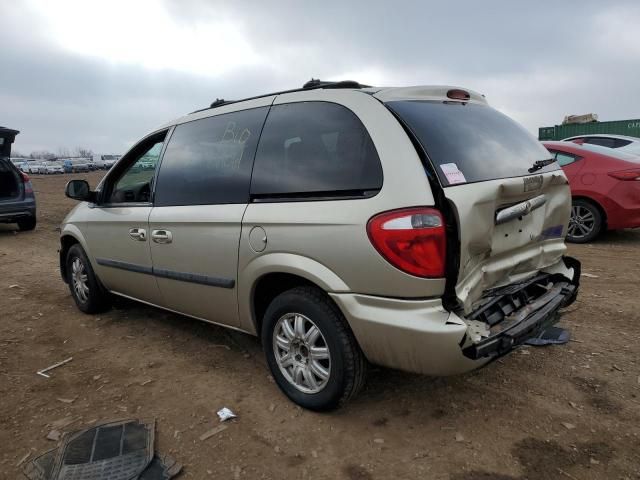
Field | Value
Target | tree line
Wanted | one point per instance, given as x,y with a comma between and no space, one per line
62,153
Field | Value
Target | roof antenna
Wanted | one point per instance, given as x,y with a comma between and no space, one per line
313,83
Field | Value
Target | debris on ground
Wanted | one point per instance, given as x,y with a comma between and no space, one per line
214,431
67,400
55,365
124,448
23,459
567,425
459,437
589,275
225,414
54,435
550,336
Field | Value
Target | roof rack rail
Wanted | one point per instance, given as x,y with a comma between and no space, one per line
312,84
219,102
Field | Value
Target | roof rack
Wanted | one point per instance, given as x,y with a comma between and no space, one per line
312,84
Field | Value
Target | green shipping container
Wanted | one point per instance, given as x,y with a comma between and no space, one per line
630,128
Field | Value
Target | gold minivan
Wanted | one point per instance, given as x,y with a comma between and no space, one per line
415,228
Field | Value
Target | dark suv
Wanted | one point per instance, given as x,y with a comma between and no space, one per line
17,201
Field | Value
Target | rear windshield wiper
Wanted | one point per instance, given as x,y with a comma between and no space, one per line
538,164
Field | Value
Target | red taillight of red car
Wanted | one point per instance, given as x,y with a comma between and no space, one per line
27,183
411,239
626,175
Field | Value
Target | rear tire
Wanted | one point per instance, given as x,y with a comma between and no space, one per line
586,221
87,291
315,360
26,224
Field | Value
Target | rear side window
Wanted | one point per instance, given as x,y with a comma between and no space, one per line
470,142
315,149
564,159
209,161
602,141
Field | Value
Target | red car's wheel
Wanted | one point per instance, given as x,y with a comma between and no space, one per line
585,223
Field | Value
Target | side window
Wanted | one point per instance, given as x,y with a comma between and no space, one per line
564,158
135,183
315,149
209,161
602,141
620,142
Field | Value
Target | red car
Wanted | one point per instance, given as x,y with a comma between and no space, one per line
605,186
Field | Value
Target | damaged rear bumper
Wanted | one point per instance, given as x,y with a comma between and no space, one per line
422,336
511,315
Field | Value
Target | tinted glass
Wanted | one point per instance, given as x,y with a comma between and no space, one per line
315,148
209,161
620,142
602,141
135,184
470,142
564,158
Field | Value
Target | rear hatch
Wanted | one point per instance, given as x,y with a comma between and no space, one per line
509,200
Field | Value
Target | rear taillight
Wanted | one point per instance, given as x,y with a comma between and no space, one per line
411,239
626,175
28,188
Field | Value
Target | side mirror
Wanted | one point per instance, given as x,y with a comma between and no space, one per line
79,190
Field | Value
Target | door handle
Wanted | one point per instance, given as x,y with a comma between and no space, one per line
161,236
139,234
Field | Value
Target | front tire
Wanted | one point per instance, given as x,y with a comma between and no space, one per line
311,352
586,221
87,291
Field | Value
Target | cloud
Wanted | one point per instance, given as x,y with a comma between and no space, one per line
101,74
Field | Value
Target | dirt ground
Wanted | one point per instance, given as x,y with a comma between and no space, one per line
569,411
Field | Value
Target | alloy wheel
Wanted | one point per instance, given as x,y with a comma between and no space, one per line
581,223
80,280
302,353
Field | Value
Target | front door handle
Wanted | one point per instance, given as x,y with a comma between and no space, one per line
139,234
161,236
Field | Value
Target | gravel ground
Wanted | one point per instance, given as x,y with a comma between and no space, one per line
567,411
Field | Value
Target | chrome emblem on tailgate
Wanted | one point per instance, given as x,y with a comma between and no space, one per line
532,183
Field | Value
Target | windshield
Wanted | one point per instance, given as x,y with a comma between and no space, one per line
470,142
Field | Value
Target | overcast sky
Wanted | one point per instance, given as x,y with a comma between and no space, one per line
102,74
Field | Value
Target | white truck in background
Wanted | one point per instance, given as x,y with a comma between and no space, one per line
105,161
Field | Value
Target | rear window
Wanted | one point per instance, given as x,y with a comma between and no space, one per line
470,142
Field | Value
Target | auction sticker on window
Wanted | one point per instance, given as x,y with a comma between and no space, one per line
453,173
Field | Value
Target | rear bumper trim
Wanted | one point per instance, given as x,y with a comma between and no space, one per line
529,320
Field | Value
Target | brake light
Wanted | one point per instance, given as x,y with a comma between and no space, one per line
412,240
626,175
457,94
28,188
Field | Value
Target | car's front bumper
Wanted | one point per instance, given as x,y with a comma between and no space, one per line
422,336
